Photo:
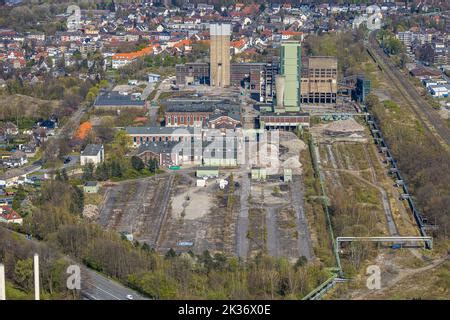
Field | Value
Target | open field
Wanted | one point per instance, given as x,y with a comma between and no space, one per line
136,207
27,106
361,191
198,215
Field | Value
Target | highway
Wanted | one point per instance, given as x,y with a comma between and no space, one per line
95,286
427,115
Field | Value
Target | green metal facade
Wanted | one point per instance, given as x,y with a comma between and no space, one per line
291,60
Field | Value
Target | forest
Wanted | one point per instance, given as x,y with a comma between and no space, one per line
346,46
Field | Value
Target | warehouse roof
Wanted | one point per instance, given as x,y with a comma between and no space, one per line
159,130
116,99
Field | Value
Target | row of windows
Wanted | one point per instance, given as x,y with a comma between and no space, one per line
160,139
181,118
318,100
315,80
319,94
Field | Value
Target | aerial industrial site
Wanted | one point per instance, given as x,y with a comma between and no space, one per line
177,150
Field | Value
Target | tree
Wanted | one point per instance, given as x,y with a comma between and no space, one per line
171,253
426,53
77,203
23,274
152,165
88,171
102,172
121,143
301,261
116,169
19,196
64,175
137,163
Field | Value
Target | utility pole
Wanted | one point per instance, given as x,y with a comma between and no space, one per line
36,277
2,282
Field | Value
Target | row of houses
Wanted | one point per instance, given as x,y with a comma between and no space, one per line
428,45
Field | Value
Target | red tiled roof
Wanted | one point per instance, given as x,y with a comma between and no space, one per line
136,54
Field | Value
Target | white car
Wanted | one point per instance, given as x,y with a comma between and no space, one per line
130,297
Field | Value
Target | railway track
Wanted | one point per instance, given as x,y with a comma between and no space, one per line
162,217
427,116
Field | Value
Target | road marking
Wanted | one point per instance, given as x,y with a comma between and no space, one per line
90,296
104,291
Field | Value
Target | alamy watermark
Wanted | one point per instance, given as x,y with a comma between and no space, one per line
74,279
373,281
372,18
74,19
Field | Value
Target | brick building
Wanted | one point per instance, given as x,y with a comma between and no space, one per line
195,113
141,135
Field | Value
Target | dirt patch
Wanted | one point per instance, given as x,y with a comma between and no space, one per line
90,212
290,148
191,204
28,106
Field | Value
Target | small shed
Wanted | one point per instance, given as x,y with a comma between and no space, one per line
90,187
287,175
201,183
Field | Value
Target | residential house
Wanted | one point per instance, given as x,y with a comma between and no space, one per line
93,153
9,129
8,215
153,77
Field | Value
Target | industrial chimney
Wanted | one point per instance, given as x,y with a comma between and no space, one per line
2,282
36,277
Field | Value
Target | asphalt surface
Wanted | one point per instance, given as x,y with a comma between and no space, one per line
95,286
73,161
304,238
428,116
273,245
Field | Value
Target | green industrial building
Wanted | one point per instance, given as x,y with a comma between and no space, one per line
291,63
90,187
207,172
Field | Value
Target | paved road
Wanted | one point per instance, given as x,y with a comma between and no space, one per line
148,89
97,287
304,238
273,245
73,161
428,116
392,228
